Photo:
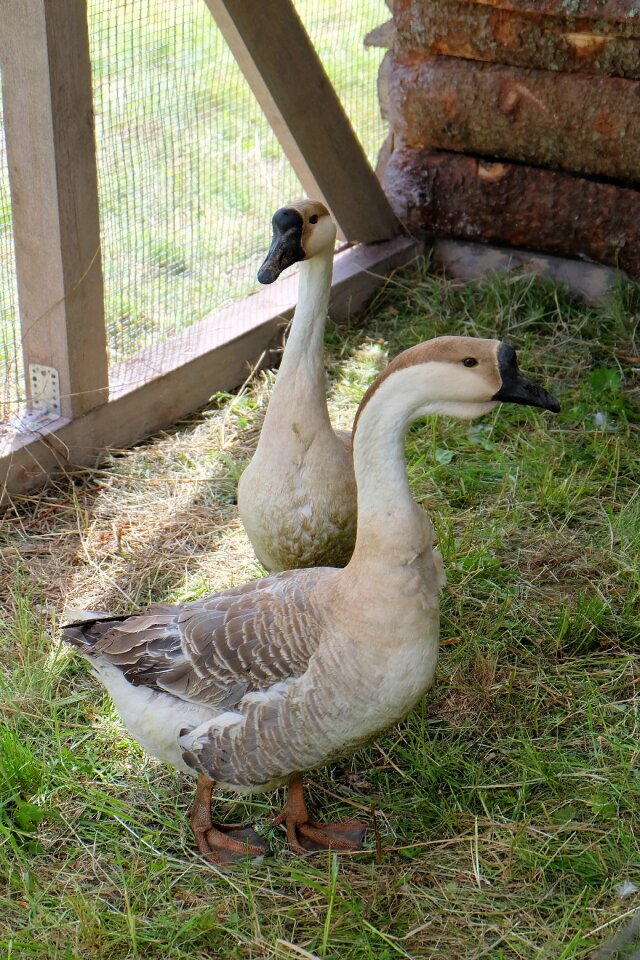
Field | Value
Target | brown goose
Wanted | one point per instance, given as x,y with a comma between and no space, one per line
252,687
297,497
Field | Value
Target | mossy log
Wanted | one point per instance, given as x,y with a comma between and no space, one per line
448,195
580,123
473,31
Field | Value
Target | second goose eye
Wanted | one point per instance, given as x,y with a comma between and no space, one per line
470,362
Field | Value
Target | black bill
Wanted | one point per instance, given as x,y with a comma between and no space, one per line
286,244
516,388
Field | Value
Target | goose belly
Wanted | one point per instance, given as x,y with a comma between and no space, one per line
306,536
394,684
348,695
347,702
153,718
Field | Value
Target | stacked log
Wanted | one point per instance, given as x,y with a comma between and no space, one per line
516,122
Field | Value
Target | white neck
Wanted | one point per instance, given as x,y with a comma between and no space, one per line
301,383
389,521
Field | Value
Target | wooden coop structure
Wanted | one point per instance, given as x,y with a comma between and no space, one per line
511,122
516,122
79,406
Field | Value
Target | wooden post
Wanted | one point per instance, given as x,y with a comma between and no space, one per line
166,382
283,69
48,113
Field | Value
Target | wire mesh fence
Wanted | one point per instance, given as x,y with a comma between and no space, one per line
337,30
180,151
189,169
11,368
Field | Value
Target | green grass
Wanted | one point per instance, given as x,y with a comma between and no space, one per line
508,804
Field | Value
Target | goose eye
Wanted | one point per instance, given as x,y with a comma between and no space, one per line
470,362
314,218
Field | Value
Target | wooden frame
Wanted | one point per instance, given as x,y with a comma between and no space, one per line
48,111
282,68
44,55
188,369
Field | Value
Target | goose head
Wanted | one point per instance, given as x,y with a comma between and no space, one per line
462,377
301,230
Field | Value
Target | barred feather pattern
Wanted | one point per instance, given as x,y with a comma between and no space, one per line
283,685
307,722
285,674
215,650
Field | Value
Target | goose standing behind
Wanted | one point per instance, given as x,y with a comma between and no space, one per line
252,687
297,496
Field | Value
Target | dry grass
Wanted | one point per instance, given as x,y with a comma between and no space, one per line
154,518
506,806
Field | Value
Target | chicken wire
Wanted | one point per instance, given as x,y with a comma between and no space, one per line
337,30
189,169
11,370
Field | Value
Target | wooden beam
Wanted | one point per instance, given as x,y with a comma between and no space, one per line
170,381
440,194
585,124
48,115
473,31
282,68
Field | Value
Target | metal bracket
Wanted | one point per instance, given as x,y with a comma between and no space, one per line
45,390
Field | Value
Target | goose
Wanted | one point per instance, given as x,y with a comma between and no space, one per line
250,688
297,496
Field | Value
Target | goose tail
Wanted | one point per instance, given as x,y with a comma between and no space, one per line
86,627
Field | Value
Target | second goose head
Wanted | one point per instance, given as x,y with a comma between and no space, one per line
301,230
462,377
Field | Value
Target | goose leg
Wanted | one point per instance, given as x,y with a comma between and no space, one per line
226,843
304,835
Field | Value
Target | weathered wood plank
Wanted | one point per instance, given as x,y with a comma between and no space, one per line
450,195
280,64
580,123
593,9
170,381
462,28
48,114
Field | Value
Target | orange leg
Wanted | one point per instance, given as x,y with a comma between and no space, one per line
303,835
223,844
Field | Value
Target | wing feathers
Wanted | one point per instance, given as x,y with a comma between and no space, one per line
216,650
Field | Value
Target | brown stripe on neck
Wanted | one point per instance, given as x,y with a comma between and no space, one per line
445,350
437,348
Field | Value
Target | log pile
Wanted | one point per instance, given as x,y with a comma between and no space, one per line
516,122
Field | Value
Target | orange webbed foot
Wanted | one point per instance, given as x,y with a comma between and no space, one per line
304,835
222,844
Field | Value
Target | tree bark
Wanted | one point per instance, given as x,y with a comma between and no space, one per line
473,31
449,195
579,123
594,9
